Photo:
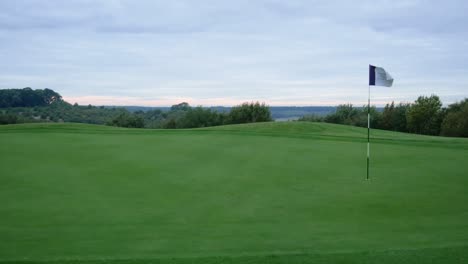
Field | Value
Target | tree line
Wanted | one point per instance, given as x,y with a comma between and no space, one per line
184,116
27,105
59,111
28,97
424,116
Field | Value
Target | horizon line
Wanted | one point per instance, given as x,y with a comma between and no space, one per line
122,101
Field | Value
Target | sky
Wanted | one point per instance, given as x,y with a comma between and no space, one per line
215,52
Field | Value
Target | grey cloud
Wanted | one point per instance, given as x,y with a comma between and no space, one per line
217,49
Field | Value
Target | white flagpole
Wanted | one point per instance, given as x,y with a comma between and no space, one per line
368,133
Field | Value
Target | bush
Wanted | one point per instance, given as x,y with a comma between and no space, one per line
8,119
425,115
455,123
249,113
128,120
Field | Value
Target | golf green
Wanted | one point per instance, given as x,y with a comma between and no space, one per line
284,192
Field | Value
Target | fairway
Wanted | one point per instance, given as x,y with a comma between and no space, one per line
280,192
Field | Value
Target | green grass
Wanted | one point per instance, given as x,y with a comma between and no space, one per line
257,193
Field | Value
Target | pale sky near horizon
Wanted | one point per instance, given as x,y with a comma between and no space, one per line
159,53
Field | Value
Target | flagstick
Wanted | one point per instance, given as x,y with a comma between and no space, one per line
368,133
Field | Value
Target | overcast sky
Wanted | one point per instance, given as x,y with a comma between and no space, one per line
159,53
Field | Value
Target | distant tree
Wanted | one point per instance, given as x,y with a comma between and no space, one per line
199,117
27,97
154,118
170,124
49,96
30,98
455,123
425,115
399,117
8,119
249,113
386,122
180,107
394,117
126,119
345,114
375,117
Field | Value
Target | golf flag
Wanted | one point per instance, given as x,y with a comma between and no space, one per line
379,77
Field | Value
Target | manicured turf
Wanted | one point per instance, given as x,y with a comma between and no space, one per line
257,193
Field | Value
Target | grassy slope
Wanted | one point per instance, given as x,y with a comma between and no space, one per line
242,193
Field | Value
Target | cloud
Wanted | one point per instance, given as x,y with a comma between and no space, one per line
290,52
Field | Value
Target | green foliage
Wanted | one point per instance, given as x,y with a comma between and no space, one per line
27,105
375,116
45,105
126,119
394,117
200,117
28,97
179,116
455,123
386,122
170,124
8,119
424,116
346,114
180,107
249,113
154,118
61,111
184,116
